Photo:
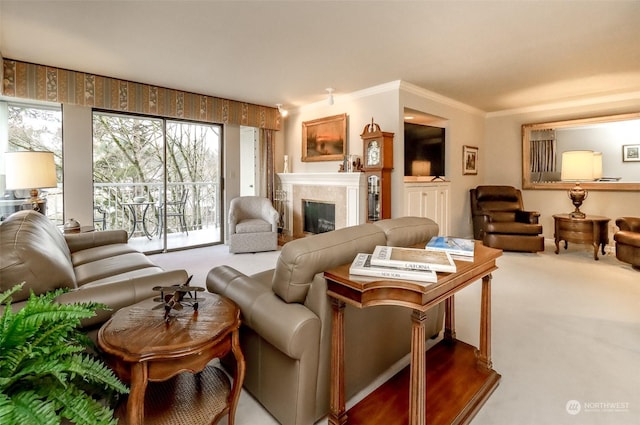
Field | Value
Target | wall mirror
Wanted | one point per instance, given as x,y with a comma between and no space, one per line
615,136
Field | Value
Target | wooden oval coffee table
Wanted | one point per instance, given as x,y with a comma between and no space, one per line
141,346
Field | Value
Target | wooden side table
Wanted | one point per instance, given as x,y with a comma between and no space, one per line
461,377
591,230
141,346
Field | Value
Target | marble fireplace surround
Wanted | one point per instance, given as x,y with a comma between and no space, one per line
346,190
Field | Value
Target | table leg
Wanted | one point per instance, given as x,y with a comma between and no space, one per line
484,355
134,219
144,221
238,378
449,319
337,408
135,404
418,376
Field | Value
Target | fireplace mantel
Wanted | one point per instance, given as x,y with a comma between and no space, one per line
346,190
333,179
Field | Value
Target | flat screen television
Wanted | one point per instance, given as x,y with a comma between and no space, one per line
424,148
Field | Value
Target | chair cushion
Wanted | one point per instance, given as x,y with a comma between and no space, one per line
111,266
253,225
513,228
503,216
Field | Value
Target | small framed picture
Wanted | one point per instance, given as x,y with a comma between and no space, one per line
630,153
469,159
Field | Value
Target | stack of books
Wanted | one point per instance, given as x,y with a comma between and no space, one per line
362,266
416,264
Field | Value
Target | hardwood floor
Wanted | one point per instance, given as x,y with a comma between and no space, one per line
453,380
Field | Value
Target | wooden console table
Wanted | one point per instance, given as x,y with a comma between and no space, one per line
464,372
591,230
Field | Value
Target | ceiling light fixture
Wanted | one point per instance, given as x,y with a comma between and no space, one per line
282,111
330,98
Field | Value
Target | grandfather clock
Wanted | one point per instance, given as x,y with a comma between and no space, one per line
378,162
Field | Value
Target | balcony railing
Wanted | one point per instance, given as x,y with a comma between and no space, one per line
140,207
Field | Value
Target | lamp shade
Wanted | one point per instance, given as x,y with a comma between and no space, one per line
30,170
577,166
597,165
421,168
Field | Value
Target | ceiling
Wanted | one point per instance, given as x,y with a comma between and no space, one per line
491,55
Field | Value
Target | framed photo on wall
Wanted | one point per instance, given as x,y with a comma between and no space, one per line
630,153
469,160
324,139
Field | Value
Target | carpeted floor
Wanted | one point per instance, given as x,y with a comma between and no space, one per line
565,335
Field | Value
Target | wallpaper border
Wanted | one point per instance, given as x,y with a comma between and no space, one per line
45,83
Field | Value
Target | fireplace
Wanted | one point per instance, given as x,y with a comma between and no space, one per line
346,191
318,216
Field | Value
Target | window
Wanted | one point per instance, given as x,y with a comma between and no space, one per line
32,128
159,179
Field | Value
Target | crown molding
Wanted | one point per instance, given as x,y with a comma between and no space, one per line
436,97
567,104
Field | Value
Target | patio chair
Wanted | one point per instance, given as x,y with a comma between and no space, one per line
100,216
175,210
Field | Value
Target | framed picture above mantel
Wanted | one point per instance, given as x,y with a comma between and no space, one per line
324,139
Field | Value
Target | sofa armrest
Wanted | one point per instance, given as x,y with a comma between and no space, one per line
530,217
290,327
631,224
80,241
120,294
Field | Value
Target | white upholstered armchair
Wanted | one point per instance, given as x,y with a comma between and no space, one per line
253,225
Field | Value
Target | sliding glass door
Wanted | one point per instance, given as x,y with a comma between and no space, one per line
158,179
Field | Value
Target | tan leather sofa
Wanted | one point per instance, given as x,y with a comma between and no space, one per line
500,221
95,266
628,241
286,314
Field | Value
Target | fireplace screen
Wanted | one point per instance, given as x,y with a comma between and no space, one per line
318,216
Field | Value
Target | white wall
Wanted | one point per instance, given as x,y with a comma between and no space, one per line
502,163
77,154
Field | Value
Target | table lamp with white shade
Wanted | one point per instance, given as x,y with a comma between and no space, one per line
31,170
579,166
597,165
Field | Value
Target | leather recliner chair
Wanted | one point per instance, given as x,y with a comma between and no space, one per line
500,221
628,241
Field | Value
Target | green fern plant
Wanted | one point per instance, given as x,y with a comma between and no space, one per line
46,372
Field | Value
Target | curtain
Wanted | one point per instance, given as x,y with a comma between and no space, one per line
267,174
543,151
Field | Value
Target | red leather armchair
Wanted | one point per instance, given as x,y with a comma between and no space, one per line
500,221
628,241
